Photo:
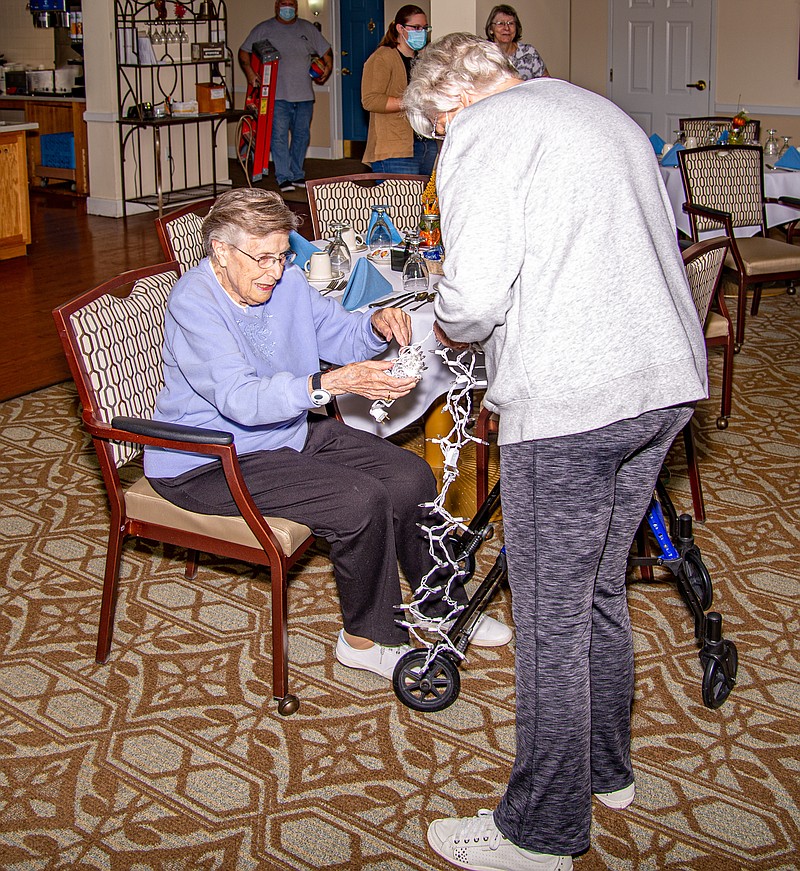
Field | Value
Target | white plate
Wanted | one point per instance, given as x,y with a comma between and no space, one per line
382,257
334,276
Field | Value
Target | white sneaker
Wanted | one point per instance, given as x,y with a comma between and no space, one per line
477,844
619,799
378,658
488,632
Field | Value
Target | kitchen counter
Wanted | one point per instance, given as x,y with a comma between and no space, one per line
15,218
54,96
55,114
14,126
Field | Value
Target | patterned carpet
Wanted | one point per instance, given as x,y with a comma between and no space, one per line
172,755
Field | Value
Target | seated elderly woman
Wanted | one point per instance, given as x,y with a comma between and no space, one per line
244,334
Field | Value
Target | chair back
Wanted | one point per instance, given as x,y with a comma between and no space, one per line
349,198
729,179
113,346
181,233
704,262
701,127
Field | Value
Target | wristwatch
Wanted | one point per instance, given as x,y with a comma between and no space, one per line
319,395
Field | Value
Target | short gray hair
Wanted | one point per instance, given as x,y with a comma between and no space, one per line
453,65
246,212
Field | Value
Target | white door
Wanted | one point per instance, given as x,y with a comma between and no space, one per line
661,61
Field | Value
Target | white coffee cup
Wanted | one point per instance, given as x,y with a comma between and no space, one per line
319,266
352,240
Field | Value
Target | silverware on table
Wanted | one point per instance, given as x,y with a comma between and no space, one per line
334,286
391,300
430,297
416,297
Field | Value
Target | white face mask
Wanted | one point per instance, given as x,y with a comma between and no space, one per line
287,13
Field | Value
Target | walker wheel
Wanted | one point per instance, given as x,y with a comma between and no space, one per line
699,579
717,685
433,689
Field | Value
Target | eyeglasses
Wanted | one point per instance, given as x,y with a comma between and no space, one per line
435,123
269,261
417,28
504,24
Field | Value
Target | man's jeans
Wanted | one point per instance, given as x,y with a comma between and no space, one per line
290,119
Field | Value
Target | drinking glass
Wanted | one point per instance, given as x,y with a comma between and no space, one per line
415,272
338,250
785,146
379,239
771,147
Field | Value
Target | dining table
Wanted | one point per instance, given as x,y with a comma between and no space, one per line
427,400
777,183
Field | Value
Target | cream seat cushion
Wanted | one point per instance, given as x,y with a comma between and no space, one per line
765,256
716,326
143,503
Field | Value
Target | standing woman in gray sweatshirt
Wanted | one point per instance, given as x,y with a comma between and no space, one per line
573,284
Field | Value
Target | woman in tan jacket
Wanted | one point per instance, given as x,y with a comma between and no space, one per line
392,146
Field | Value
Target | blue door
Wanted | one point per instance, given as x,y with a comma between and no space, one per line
362,30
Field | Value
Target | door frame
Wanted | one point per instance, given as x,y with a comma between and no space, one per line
712,59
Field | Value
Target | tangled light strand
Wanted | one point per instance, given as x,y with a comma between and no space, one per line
459,403
410,363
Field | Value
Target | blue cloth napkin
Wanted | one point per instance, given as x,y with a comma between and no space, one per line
658,144
671,157
302,248
396,237
366,285
790,159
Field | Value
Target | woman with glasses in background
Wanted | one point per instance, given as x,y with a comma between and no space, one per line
503,27
392,146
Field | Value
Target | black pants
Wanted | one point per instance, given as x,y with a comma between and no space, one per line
357,491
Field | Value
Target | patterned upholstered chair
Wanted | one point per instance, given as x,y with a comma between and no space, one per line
180,233
348,198
704,263
724,190
700,128
113,346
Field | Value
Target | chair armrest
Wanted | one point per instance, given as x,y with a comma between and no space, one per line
791,202
717,215
158,429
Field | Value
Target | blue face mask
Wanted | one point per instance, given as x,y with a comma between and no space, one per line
416,39
287,13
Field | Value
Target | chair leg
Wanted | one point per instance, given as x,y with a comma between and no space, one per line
643,550
287,703
192,559
727,384
756,300
741,313
694,474
481,467
108,603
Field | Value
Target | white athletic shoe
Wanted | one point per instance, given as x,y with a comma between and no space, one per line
379,658
619,799
488,632
477,844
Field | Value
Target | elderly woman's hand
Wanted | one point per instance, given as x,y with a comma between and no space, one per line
443,339
392,323
370,379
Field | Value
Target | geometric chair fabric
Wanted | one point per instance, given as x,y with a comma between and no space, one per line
181,233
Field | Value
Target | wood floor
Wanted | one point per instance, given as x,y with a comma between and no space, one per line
71,252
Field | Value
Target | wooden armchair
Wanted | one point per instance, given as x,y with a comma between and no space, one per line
113,345
724,190
180,233
348,198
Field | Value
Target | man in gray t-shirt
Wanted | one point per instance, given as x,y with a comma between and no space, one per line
298,43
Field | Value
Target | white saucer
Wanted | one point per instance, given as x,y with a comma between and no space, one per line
335,275
382,257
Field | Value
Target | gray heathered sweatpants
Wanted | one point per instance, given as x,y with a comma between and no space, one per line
571,507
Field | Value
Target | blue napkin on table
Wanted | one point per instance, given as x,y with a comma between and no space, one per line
790,159
658,144
671,157
396,237
302,248
366,285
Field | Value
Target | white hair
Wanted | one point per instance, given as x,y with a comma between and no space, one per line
456,64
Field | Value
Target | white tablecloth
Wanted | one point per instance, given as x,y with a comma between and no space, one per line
436,379
777,183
